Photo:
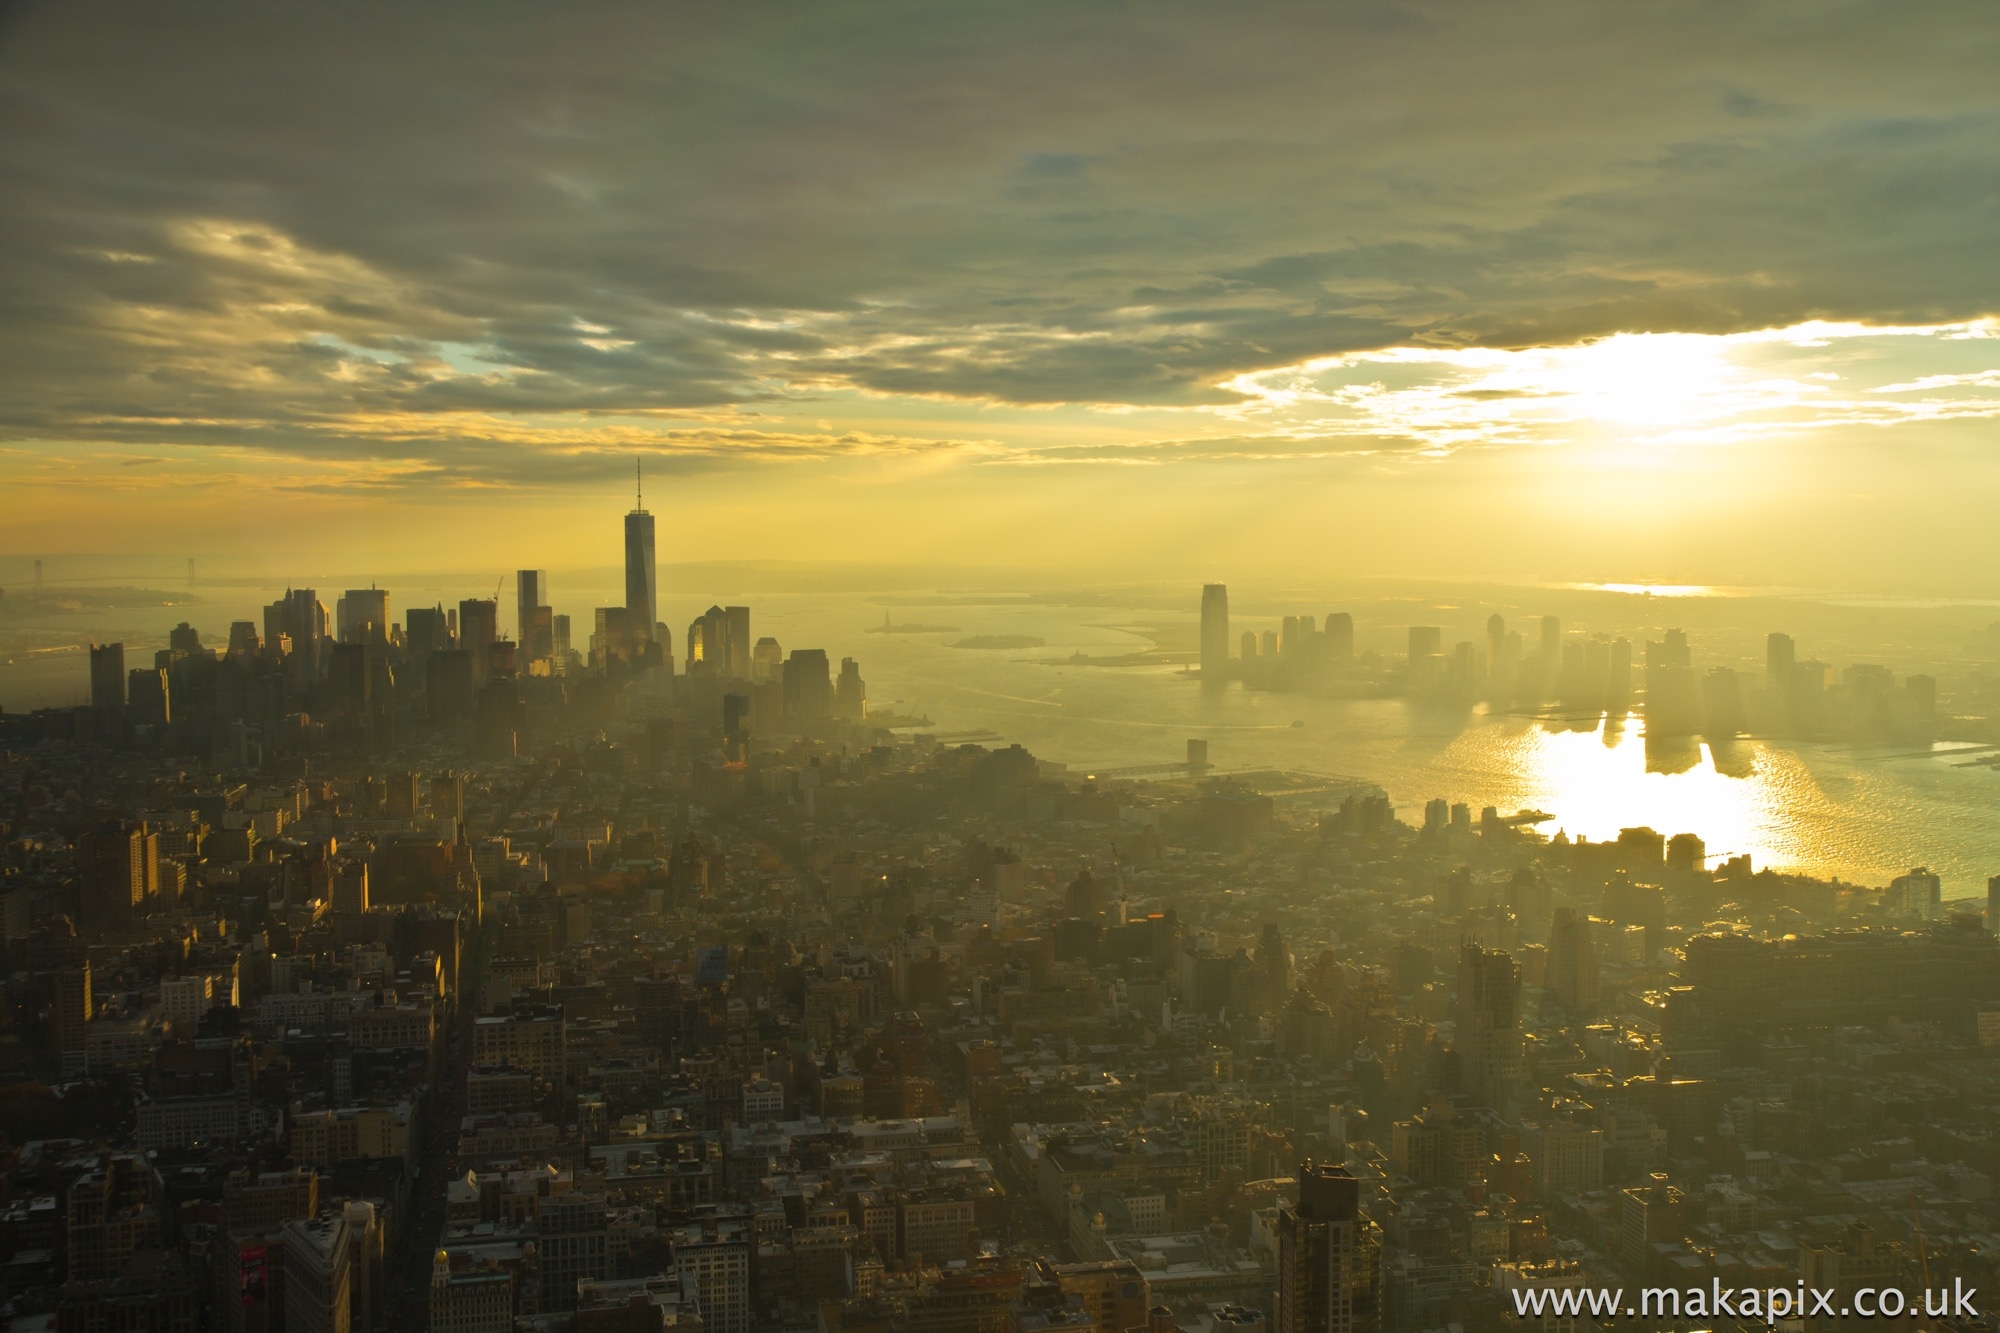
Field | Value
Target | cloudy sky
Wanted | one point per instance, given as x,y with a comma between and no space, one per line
1688,292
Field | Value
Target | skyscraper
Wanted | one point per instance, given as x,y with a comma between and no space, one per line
808,682
319,1273
559,644
1488,1018
533,624
1214,629
641,587
1673,695
739,641
118,866
614,638
1618,683
362,613
107,682
147,700
1572,965
1339,636
478,630
424,630
1779,656
850,692
1328,1257
709,636
296,625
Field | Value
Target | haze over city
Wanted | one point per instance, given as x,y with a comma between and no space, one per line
917,668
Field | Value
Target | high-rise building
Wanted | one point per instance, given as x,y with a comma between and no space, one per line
570,1232
1329,1257
362,614
559,643
1488,1015
538,643
70,1011
615,639
1780,655
478,631
1426,641
1673,693
709,650
533,620
448,689
297,624
1918,894
641,587
1721,703
107,682
530,588
1572,963
1214,629
1922,691
1339,636
1552,638
243,638
118,869
1618,676
350,889
350,675
147,700
738,618
367,1246
850,692
424,631
808,682
712,1260
319,1275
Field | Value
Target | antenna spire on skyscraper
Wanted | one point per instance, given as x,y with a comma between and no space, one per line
639,476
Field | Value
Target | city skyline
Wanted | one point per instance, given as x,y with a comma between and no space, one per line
1057,668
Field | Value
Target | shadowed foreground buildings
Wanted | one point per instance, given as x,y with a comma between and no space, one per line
1329,1257
605,991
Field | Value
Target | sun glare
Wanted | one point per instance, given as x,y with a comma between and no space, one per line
1636,391
1644,379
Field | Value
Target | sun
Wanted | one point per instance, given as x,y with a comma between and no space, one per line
1654,380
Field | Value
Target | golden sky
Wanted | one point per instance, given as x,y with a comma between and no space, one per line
1680,291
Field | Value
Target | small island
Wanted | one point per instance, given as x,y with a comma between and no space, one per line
1000,641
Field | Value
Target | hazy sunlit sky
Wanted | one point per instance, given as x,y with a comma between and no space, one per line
1684,292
